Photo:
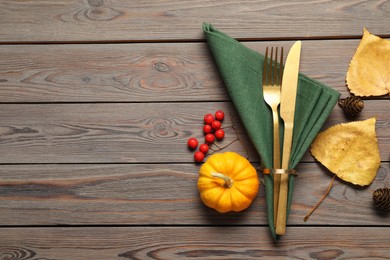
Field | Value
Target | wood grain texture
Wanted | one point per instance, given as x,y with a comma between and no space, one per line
166,194
115,133
130,72
140,132
144,72
98,99
193,242
115,20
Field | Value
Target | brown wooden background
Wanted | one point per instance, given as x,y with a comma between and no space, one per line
98,99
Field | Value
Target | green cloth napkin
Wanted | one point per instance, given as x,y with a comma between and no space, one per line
241,70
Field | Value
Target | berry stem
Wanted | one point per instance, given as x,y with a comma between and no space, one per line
223,147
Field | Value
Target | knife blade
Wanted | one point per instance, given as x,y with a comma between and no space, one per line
287,110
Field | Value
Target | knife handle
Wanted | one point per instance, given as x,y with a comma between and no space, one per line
281,218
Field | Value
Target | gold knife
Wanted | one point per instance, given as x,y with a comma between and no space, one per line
287,110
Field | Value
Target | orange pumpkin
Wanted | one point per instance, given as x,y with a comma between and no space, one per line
227,182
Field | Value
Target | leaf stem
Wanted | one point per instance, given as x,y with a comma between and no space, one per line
320,201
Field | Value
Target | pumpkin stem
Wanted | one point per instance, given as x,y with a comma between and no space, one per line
228,181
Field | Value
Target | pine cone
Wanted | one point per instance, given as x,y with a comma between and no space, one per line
352,105
381,198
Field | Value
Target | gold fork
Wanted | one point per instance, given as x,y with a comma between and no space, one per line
272,81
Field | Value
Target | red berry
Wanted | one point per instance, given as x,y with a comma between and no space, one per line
192,143
198,156
203,148
208,119
216,125
209,138
219,115
207,129
220,134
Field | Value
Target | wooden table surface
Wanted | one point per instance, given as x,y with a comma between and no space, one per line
99,97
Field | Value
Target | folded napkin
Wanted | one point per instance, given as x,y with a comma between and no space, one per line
241,70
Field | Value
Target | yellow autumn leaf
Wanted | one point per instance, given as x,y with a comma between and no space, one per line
350,151
369,70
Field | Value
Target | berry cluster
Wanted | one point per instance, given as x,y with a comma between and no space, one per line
212,130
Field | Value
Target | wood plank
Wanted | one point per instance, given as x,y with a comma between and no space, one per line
193,242
115,133
143,72
113,72
115,20
166,194
135,132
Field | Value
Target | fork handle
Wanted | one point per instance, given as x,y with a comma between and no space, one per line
275,116
276,162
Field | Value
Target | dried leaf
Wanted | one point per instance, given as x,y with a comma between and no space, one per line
350,151
369,70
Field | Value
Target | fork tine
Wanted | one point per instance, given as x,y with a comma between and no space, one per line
270,68
281,67
275,67
272,73
265,67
